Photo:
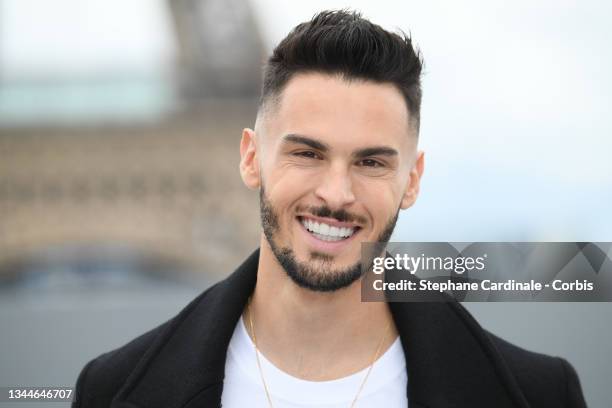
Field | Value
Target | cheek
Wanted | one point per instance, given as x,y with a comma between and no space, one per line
380,196
291,181
285,192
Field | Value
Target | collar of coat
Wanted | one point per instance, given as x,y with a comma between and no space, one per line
450,359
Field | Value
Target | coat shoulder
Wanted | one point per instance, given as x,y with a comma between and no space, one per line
545,381
102,378
542,378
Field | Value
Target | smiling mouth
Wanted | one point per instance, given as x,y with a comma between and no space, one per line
326,232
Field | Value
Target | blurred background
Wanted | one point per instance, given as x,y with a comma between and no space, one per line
120,198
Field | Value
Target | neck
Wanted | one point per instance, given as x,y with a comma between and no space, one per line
315,336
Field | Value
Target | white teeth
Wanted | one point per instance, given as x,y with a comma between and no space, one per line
327,232
327,237
324,229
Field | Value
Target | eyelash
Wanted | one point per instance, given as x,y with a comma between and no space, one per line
313,155
308,154
376,163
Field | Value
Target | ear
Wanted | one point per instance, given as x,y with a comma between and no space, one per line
249,160
414,182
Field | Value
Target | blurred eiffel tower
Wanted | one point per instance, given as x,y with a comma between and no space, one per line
167,192
221,51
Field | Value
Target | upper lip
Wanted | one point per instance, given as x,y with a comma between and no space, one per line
329,221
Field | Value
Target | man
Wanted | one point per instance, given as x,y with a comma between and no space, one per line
334,157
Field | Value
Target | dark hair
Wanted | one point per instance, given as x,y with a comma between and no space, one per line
341,42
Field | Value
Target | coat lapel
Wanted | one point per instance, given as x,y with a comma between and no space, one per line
185,366
450,360
451,363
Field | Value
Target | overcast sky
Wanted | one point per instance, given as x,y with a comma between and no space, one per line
516,123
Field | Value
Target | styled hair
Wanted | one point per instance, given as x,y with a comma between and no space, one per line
343,43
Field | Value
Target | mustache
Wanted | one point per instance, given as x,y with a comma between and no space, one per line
340,215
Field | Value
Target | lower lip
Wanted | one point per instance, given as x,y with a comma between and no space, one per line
326,246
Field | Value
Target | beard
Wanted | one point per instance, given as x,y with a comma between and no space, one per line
318,274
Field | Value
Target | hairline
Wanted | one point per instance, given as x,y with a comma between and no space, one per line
270,103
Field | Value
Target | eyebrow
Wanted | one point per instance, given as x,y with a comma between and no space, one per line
315,144
323,147
375,151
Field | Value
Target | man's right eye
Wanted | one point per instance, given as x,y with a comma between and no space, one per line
309,154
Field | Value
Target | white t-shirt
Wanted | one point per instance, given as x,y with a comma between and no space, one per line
242,387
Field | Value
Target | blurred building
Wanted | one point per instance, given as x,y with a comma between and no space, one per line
129,167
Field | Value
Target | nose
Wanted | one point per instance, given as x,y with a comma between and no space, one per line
335,187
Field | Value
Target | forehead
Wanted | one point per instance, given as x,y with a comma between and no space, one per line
335,109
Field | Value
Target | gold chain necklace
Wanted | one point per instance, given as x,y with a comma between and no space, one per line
263,380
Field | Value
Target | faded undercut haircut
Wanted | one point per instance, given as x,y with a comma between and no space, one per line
343,43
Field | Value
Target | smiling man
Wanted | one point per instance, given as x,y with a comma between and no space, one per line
334,157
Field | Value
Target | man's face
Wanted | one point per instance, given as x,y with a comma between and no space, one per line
337,161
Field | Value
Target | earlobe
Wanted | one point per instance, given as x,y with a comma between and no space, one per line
414,182
249,160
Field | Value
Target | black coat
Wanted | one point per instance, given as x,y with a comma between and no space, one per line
451,360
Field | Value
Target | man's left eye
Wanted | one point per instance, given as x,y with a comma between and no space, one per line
371,163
